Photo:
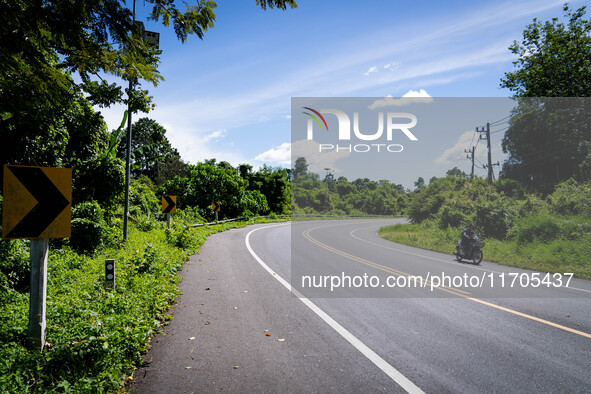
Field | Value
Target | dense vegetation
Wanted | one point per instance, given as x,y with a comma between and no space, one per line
551,234
311,195
95,336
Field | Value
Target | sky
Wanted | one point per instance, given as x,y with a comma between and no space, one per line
229,95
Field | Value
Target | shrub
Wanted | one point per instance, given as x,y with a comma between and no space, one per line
453,216
571,198
541,227
494,218
88,227
15,265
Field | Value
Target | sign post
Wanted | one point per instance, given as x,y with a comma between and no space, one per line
37,206
36,331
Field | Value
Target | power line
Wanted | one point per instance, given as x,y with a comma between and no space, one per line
500,120
498,131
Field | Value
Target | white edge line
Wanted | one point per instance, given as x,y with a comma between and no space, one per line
441,260
389,370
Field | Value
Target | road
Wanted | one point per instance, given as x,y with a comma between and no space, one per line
367,338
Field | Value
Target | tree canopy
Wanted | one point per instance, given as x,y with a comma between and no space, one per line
553,58
548,140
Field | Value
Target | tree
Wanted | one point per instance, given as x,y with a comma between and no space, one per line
149,148
553,58
548,140
44,43
301,167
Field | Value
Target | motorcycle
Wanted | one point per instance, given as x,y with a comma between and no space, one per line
476,245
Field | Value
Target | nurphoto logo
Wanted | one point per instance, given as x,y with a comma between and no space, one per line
395,122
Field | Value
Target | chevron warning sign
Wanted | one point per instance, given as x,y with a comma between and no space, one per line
37,202
168,204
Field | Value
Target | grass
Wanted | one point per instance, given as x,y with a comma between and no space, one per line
554,256
96,336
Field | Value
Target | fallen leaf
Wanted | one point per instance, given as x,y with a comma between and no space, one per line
188,367
267,334
266,330
207,322
235,307
207,288
192,338
281,340
246,291
236,366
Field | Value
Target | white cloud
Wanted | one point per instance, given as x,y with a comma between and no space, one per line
317,162
214,135
280,155
409,97
372,69
391,66
414,93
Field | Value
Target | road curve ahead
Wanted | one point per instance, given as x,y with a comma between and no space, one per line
362,336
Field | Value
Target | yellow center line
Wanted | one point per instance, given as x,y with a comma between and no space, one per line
390,270
454,291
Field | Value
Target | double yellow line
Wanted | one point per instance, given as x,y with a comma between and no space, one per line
454,291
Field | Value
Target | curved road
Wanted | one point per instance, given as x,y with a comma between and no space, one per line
375,332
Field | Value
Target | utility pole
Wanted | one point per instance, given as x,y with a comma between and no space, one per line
128,150
487,138
471,157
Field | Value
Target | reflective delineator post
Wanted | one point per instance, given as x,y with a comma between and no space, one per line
110,274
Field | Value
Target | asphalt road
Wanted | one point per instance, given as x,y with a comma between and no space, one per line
366,336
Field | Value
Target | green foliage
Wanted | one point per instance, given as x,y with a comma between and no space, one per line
553,58
541,227
15,265
97,336
548,140
241,192
149,148
88,227
360,197
571,198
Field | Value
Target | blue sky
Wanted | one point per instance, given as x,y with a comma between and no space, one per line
228,96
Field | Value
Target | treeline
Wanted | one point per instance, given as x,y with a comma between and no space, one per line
339,196
240,191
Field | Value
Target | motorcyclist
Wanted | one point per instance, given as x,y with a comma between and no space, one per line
467,235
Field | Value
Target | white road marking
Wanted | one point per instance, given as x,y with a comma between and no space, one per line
389,370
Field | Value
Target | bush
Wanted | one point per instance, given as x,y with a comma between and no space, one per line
541,227
494,218
88,227
15,265
571,198
453,216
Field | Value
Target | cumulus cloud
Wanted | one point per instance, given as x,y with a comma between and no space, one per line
280,155
372,69
410,97
456,152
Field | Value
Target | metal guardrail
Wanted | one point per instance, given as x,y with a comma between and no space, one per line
293,216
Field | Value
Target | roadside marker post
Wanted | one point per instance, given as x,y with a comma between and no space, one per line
37,206
110,274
